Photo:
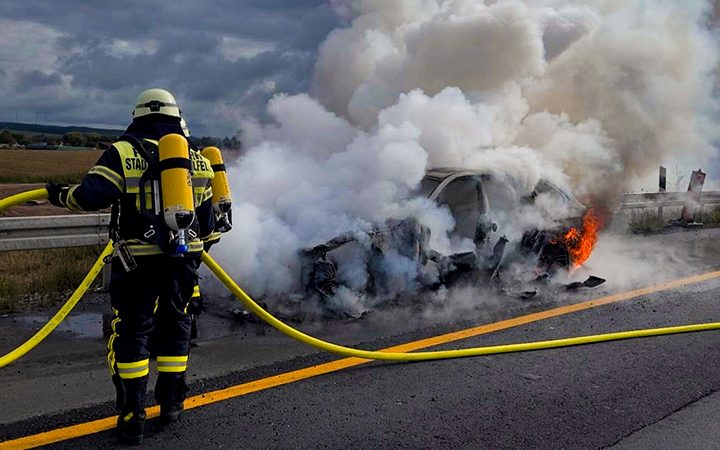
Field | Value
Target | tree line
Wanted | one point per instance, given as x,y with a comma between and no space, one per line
97,140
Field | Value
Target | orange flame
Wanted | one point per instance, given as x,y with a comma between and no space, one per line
580,243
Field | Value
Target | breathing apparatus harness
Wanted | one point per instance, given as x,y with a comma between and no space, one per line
152,226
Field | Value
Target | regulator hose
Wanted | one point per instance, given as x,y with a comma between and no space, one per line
74,298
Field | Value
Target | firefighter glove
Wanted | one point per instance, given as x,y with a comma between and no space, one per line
57,194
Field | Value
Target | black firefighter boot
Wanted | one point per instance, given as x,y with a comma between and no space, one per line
170,392
131,400
131,427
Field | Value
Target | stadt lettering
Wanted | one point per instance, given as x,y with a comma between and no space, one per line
135,164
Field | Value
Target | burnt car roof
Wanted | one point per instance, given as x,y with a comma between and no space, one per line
440,173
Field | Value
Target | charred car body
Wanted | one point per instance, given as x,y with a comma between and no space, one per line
475,200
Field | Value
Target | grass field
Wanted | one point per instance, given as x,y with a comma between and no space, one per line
36,279
42,166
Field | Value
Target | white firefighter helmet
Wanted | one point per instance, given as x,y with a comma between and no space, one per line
156,101
185,129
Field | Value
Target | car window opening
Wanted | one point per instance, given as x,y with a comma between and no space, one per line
462,196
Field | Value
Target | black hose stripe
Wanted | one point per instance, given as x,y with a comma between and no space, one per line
218,167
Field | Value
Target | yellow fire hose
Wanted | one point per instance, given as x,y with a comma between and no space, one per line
74,298
445,354
327,346
23,197
61,314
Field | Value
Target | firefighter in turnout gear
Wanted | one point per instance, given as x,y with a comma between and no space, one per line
157,251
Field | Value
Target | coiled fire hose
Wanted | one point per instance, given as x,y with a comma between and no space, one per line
323,345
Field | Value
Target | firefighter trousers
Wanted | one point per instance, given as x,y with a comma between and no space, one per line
151,299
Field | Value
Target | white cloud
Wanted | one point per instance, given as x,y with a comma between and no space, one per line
233,48
27,46
120,48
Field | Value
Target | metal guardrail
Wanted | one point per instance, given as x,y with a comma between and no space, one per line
666,199
29,233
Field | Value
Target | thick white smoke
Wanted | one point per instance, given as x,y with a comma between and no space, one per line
589,94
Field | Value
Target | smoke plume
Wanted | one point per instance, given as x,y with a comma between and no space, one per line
591,95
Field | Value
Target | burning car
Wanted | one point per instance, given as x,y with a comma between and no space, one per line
478,202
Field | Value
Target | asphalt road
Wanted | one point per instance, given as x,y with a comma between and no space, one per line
593,396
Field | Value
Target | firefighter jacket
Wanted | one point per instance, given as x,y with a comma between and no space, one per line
116,180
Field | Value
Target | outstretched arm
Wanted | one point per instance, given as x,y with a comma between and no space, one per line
100,187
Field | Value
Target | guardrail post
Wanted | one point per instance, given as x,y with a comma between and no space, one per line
663,181
106,277
693,208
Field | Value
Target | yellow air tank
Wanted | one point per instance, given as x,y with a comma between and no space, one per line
222,202
176,186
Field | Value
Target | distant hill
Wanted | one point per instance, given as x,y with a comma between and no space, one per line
56,129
